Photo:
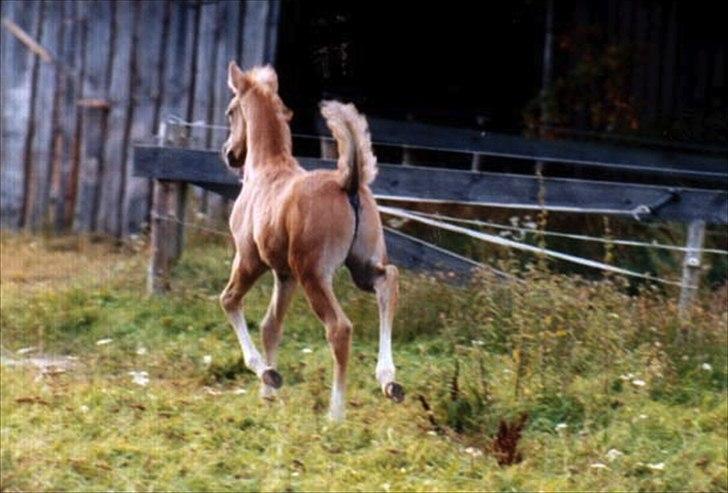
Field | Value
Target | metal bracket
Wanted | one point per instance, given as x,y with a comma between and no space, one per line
642,211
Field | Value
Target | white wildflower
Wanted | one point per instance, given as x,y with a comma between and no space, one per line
385,486
473,451
642,416
207,360
141,351
638,383
432,433
84,409
706,367
561,426
307,350
295,474
103,342
477,342
659,466
599,465
139,377
614,454
212,391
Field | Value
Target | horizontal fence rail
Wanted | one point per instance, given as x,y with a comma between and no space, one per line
662,162
410,183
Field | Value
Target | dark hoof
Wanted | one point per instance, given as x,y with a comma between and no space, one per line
272,378
394,391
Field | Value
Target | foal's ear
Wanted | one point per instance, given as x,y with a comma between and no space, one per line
236,78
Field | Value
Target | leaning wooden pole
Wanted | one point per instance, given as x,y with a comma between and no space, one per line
691,265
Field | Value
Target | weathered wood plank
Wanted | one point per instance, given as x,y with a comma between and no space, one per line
206,71
441,185
16,72
130,84
99,50
512,146
78,54
146,108
260,32
44,114
29,160
56,143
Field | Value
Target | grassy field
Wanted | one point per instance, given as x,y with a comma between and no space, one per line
616,392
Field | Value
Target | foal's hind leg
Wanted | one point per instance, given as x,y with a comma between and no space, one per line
271,328
244,274
386,285
338,332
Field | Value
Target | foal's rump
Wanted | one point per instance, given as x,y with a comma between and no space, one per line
324,233
319,223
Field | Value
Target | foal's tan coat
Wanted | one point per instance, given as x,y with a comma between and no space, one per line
302,225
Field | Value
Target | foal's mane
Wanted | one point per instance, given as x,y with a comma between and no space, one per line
270,99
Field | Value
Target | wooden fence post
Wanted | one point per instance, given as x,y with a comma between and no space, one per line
328,148
160,264
407,158
178,136
691,265
476,164
165,223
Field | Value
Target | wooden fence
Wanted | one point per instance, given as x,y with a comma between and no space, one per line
81,80
696,206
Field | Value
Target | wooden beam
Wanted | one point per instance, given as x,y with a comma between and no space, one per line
661,162
27,40
456,186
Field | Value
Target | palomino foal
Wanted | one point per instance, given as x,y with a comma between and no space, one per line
303,226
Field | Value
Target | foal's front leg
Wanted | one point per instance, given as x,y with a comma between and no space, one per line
387,288
271,329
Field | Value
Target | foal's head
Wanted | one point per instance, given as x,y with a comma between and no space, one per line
257,85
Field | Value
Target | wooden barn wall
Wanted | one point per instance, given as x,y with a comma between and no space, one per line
116,70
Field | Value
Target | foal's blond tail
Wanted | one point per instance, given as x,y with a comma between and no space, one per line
357,164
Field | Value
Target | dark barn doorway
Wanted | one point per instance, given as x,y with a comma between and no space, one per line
474,64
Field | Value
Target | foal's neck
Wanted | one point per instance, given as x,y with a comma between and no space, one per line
268,135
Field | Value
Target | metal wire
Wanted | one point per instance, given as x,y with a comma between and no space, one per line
570,235
473,234
174,219
529,248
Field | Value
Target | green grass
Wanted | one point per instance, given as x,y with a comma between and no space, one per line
565,351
